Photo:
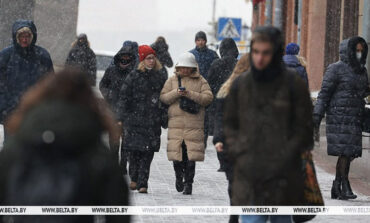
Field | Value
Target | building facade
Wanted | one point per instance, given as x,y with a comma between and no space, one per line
317,26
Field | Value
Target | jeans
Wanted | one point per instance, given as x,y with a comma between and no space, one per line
264,218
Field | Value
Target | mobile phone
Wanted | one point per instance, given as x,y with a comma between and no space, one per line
182,88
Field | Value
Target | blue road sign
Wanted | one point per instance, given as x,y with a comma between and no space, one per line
229,28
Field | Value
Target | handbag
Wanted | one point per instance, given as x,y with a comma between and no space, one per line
311,190
187,104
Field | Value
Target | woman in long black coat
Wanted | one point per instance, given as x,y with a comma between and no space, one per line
140,112
341,98
83,57
219,72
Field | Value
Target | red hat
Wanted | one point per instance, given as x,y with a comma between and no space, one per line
144,51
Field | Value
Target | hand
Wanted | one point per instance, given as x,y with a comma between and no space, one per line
182,93
119,123
219,147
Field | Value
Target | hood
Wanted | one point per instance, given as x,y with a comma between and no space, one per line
228,48
24,23
273,35
160,46
291,60
347,53
59,125
128,48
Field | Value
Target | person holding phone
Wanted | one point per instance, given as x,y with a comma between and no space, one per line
187,93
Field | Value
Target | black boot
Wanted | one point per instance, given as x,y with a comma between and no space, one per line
336,190
234,219
188,188
347,190
179,184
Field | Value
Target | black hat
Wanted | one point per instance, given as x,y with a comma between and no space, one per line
201,35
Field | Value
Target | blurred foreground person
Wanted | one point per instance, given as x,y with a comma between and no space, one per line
341,98
21,65
187,93
110,85
83,57
218,136
268,125
55,154
219,72
138,108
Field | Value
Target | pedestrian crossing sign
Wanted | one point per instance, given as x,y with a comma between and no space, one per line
229,28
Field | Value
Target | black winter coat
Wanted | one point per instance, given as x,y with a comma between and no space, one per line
342,100
57,158
111,83
84,58
267,127
293,62
21,68
140,110
219,72
161,49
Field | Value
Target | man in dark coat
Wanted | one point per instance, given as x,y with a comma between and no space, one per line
110,85
83,57
21,65
341,98
291,60
161,48
268,125
138,108
219,72
204,58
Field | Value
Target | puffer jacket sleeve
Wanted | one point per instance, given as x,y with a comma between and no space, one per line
105,85
231,120
327,89
218,132
204,97
125,96
169,93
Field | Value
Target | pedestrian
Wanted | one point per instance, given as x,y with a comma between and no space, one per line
160,46
139,110
55,155
219,136
83,57
204,57
187,93
110,85
268,125
219,72
341,98
136,49
21,65
292,60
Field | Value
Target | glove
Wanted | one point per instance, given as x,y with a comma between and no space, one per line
316,121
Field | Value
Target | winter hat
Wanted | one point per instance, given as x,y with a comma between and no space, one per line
82,36
144,51
201,35
187,60
292,49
